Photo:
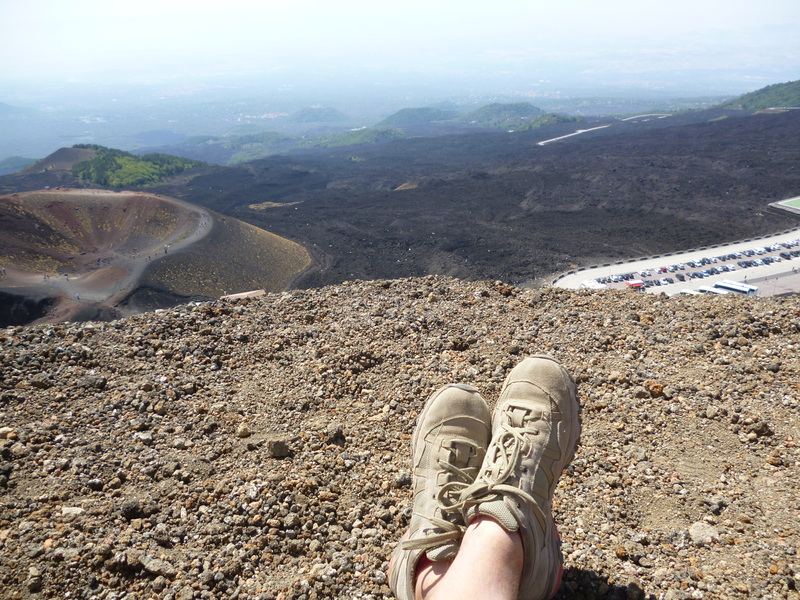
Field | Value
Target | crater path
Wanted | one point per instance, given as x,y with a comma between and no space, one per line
90,246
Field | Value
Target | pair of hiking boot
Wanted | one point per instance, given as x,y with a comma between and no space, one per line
468,462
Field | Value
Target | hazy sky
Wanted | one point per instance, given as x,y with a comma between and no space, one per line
84,39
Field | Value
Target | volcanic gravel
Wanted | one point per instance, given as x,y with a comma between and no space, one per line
259,448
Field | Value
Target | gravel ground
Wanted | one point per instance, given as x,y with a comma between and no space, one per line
258,448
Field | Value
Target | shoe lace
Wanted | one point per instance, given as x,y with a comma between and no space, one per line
507,446
443,529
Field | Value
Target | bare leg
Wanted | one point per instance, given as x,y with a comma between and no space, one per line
488,566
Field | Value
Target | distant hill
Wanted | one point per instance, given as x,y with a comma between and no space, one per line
317,114
235,149
773,96
415,116
12,164
504,116
517,116
549,119
115,168
62,159
356,137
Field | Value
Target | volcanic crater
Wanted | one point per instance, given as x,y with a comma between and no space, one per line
72,254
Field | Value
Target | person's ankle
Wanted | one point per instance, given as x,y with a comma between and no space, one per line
489,533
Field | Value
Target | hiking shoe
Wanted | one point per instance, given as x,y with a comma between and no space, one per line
448,448
535,432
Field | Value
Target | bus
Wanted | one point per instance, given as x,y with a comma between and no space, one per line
735,286
712,290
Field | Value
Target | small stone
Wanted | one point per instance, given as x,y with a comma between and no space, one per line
656,389
34,584
402,480
41,381
139,424
243,430
277,449
146,437
19,450
131,509
186,593
703,534
161,535
71,511
97,382
334,435
159,583
717,503
157,566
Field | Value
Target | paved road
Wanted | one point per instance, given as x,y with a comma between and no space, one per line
776,278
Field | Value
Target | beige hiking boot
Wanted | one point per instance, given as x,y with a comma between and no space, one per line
448,448
535,432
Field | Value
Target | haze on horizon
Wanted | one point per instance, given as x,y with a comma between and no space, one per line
92,71
732,47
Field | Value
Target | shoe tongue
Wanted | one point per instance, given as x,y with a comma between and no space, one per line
443,552
462,454
498,510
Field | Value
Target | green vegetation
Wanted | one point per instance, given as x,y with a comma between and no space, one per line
550,119
357,137
518,116
260,145
505,116
117,169
415,116
772,96
255,146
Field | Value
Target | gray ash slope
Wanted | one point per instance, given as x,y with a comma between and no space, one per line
259,448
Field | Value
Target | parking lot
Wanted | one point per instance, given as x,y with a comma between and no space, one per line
771,263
